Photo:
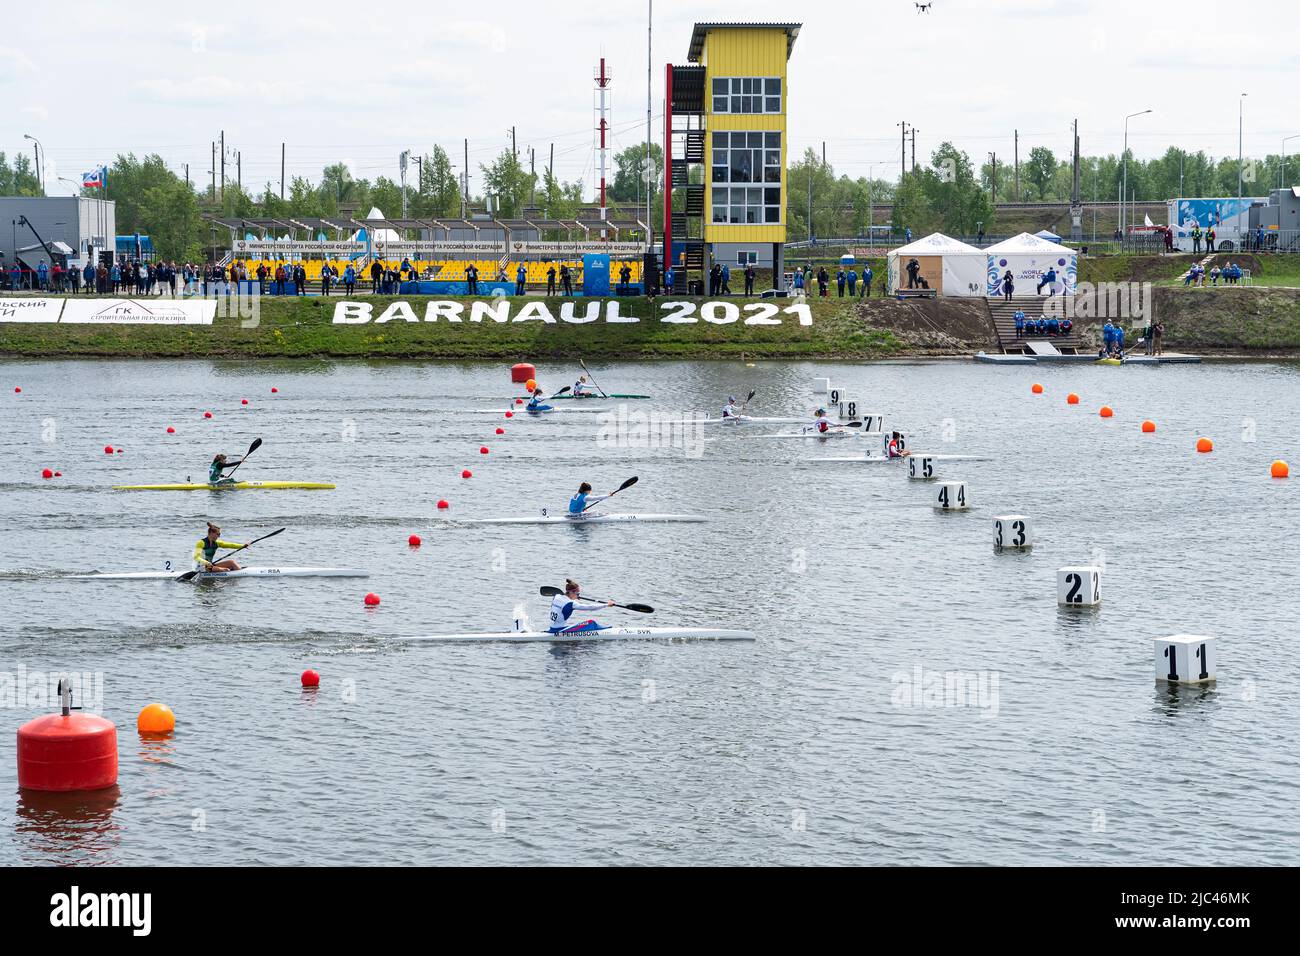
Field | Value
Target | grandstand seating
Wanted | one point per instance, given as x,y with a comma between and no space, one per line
448,270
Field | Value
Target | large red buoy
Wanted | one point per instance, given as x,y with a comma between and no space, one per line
522,372
67,751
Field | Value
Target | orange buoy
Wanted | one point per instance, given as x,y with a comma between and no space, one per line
1280,469
1036,389
1106,412
522,372
1148,426
156,719
413,540
372,599
443,504
1072,399
1204,445
67,751
467,473
531,384
310,678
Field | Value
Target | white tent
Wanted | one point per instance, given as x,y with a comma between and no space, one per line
948,266
379,237
1029,258
1048,235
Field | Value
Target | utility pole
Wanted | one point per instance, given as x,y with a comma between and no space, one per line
913,149
282,170
1016,158
514,147
464,205
187,175
823,152
649,178
903,155
810,224
1241,100
532,175
223,165
550,167
1076,198
239,170
993,178
214,170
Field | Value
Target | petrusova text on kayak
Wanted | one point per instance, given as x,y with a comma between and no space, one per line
575,313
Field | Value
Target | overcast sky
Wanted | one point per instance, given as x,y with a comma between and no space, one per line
359,84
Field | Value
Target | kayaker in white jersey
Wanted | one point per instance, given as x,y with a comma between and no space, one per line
821,424
731,409
584,499
565,606
582,389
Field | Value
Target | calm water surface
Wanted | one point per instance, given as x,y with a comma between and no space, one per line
798,748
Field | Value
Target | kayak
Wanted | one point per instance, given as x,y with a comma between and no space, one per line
915,454
521,410
580,519
593,398
833,433
736,421
217,575
1110,361
594,637
235,486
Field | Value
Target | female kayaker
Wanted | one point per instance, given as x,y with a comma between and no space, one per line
581,389
206,549
584,499
220,465
535,405
820,423
731,409
564,606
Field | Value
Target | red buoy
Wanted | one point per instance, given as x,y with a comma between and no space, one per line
372,599
47,473
58,474
243,401
170,430
467,473
510,414
443,504
519,401
119,451
501,431
310,678
207,414
108,449
67,751
483,450
274,390
522,372
413,540
17,389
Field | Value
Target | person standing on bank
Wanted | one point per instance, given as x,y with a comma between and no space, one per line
749,279
550,281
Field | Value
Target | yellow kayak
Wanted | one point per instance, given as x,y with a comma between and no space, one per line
1110,361
233,486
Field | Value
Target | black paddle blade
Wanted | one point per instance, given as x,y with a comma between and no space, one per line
628,484
548,591
853,424
639,608
750,397
567,388
257,443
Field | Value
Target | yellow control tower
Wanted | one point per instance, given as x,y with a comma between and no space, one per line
727,115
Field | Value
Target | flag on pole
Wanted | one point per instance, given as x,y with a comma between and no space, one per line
1149,222
93,179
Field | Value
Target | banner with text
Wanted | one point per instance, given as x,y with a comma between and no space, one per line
30,310
139,312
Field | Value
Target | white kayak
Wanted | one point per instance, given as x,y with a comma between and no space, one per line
903,458
737,420
833,433
219,575
594,637
580,519
522,411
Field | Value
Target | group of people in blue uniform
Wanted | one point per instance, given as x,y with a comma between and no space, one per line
1047,325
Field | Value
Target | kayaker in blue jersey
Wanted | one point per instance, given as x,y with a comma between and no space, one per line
206,549
535,405
584,499
581,388
219,465
564,606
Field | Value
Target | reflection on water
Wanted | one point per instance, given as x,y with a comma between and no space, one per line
67,828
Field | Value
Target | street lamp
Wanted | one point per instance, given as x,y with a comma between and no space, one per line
40,176
1123,195
1286,140
1241,100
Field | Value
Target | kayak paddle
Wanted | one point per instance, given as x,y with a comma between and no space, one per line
623,487
593,378
548,591
257,443
190,574
838,425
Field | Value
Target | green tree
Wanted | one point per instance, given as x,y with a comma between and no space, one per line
509,182
629,184
1039,170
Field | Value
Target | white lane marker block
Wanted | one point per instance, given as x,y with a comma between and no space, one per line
1078,586
821,386
951,496
1012,533
921,468
1185,659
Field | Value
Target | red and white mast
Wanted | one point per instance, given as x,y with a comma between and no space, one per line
602,94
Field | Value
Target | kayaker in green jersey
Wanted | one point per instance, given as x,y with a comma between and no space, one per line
218,468
206,549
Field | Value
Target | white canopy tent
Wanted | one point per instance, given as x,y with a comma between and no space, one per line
948,266
1029,258
379,238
